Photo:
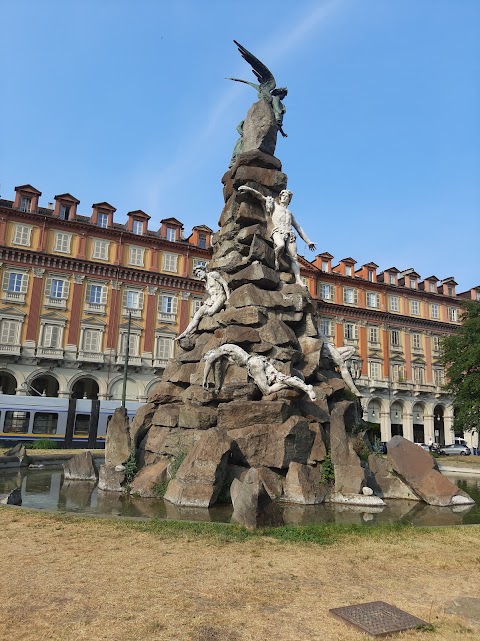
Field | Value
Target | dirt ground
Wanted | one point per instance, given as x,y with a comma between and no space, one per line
67,579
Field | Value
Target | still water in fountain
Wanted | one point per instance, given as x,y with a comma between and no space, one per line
46,489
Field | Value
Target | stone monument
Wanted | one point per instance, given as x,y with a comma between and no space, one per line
244,403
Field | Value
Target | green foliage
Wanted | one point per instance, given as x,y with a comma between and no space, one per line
175,464
426,627
461,356
160,489
44,444
131,467
328,472
377,446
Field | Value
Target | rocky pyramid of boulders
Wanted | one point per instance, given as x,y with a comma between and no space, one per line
194,444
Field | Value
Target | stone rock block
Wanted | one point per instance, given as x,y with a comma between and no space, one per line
111,480
240,335
261,251
278,333
197,417
118,441
260,129
258,274
249,213
303,485
80,467
318,409
165,392
272,444
271,178
167,415
242,414
203,342
146,482
200,477
178,372
418,469
319,449
141,422
250,295
252,504
208,324
349,479
171,442
245,235
385,483
256,158
230,263
250,316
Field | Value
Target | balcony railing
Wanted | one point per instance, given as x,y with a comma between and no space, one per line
135,361
136,313
10,349
160,362
56,303
95,308
91,357
49,352
167,317
13,297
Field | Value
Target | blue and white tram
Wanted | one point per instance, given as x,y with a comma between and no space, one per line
69,422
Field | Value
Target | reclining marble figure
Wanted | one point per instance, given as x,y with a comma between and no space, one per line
340,356
218,294
282,221
267,377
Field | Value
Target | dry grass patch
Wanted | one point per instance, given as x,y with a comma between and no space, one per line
69,579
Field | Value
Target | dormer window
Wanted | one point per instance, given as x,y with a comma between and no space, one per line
432,288
413,283
450,291
348,270
324,265
137,227
102,220
370,275
393,279
25,204
202,241
65,212
171,234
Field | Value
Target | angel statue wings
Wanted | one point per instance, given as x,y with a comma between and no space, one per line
267,89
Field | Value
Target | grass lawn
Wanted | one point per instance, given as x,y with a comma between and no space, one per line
72,579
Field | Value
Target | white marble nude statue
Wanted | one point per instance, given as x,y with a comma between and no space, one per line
340,356
218,294
267,378
283,223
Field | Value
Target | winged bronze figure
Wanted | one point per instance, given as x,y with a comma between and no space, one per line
267,89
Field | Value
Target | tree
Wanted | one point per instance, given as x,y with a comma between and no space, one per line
461,356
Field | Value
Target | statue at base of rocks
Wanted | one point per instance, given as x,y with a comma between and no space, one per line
218,294
267,89
266,377
282,222
340,356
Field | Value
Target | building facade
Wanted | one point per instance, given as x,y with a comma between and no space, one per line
396,320
70,283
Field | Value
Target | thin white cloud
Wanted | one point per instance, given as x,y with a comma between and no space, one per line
279,46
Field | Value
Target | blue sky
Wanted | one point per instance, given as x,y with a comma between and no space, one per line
126,102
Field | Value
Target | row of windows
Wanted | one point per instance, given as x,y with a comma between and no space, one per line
57,289
350,332
397,373
372,299
22,234
51,337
